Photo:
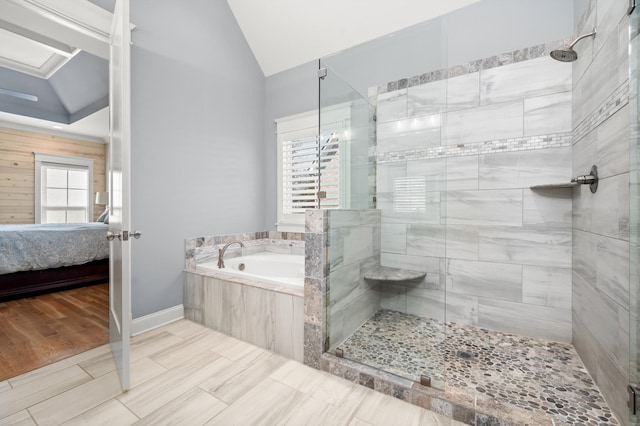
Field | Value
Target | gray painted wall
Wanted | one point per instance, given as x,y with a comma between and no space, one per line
198,96
481,30
286,93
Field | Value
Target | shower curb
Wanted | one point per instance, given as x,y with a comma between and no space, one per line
463,407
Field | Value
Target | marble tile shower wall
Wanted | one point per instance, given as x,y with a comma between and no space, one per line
458,150
354,249
600,115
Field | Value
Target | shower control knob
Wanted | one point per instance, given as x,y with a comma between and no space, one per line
584,179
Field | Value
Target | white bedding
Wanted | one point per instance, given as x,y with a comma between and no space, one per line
35,247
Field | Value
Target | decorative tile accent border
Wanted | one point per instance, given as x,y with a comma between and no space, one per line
614,102
502,59
489,147
205,249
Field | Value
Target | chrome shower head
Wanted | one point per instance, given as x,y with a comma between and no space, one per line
566,53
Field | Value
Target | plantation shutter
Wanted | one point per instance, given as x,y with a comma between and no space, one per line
310,165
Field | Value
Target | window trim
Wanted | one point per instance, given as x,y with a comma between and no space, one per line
64,161
303,124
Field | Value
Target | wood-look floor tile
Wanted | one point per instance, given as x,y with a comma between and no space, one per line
234,349
99,365
382,410
180,353
146,345
341,393
313,411
162,389
145,369
185,328
76,401
238,379
21,418
42,372
266,404
195,385
194,407
357,422
299,376
111,412
49,385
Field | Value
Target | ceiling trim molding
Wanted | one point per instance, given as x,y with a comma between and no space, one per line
77,25
52,132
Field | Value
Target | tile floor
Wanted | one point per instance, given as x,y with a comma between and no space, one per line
186,374
526,373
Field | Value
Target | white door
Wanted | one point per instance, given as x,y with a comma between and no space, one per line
119,178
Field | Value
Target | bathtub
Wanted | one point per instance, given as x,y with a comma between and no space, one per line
274,268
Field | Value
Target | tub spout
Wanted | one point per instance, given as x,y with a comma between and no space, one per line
223,250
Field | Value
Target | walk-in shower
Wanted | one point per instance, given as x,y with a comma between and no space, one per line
465,279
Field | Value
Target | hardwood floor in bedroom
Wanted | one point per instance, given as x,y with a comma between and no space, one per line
36,331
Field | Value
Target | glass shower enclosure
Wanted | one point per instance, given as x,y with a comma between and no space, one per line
380,89
451,260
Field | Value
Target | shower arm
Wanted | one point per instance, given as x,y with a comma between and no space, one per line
591,34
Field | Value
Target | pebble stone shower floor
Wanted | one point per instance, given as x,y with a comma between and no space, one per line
532,374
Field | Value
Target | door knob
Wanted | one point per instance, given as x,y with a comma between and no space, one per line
112,236
135,234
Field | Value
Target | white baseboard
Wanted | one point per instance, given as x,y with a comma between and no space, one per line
156,319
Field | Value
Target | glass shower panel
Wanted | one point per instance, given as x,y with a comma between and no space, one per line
634,213
386,281
346,137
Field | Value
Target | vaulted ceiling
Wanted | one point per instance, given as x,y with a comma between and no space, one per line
55,74
286,33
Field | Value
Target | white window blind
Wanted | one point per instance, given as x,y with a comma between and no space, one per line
64,189
310,165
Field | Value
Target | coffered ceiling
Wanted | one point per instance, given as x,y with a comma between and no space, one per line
53,62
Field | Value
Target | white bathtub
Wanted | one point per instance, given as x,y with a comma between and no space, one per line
274,268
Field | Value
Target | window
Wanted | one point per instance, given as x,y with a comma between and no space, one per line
310,168
63,188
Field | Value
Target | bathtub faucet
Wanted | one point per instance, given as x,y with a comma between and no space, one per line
223,250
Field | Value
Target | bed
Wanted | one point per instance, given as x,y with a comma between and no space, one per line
46,257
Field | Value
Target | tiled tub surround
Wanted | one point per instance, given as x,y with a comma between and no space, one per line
265,314
205,249
457,152
600,115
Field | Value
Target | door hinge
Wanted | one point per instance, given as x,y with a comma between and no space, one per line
632,403
322,73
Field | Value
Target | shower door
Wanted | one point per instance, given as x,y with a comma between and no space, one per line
634,213
386,244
